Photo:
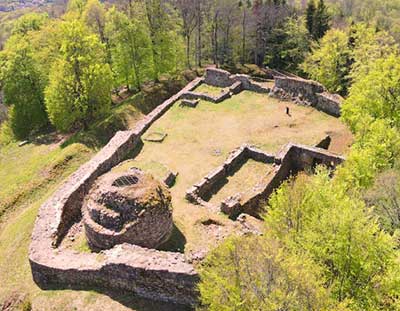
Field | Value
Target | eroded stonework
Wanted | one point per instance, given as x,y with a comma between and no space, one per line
129,207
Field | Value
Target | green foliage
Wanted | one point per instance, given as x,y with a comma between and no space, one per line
29,22
368,45
321,220
6,133
327,62
384,199
75,7
375,95
255,273
376,148
320,24
317,19
167,45
288,45
80,80
310,13
23,87
131,47
94,17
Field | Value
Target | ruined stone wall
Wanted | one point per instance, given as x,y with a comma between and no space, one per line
217,77
329,103
125,267
308,92
157,275
291,159
223,78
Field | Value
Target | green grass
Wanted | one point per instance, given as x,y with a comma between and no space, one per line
154,168
26,171
28,176
242,181
200,139
208,89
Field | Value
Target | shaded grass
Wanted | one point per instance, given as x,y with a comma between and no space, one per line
208,89
26,171
242,181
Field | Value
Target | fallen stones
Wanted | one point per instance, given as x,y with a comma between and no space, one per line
231,206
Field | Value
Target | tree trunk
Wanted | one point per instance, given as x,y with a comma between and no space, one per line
199,23
244,36
188,51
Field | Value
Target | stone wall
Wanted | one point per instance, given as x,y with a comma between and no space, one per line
217,77
223,78
157,275
308,92
154,274
291,159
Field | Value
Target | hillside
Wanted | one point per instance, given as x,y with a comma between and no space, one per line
200,155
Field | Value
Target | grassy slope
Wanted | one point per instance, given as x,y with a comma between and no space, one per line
29,174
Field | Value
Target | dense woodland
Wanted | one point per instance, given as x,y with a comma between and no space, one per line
330,243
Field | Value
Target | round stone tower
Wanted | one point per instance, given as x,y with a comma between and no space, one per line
129,207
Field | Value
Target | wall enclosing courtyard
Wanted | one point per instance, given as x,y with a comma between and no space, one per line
159,275
290,160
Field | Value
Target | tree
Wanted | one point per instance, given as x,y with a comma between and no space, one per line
80,80
245,6
288,46
29,22
375,95
376,148
310,13
318,218
320,24
258,273
94,18
327,62
131,49
188,14
384,199
165,42
368,46
23,87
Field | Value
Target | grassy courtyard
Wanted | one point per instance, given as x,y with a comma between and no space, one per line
208,89
200,139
